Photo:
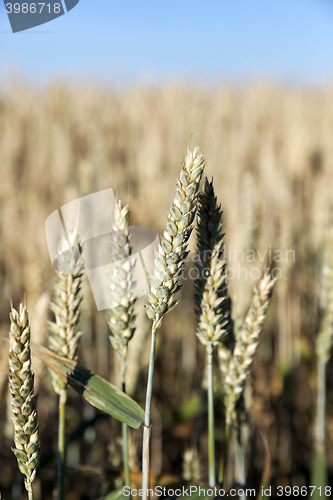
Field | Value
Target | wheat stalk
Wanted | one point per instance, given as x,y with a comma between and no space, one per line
23,400
121,313
168,269
323,348
63,338
247,341
212,305
225,349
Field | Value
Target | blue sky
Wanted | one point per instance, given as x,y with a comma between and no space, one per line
201,41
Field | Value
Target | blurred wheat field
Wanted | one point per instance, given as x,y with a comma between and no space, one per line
270,151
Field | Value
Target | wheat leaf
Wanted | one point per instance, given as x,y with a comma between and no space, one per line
97,391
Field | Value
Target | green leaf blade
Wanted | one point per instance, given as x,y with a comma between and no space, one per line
96,390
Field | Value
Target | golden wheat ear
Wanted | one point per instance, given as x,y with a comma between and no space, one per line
246,344
121,313
22,397
66,306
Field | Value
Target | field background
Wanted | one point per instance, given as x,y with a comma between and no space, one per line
270,151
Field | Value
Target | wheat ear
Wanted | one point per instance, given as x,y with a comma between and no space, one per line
325,336
23,400
211,299
121,313
63,338
247,340
168,269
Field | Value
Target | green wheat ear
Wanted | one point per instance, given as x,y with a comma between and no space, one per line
211,300
169,260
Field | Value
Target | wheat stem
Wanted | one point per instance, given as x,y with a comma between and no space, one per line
127,472
320,468
224,457
146,430
61,449
211,430
321,403
241,477
323,348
